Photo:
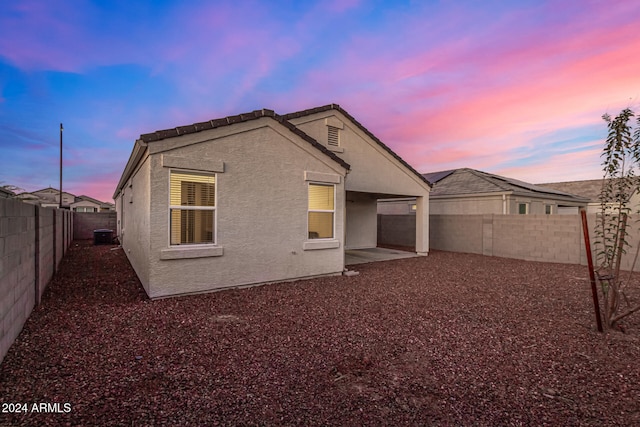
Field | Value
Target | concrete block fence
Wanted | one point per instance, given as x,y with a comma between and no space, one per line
33,241
546,238
85,222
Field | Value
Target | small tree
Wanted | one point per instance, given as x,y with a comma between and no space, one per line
621,161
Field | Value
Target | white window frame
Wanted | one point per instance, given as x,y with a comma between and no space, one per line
199,208
333,211
526,208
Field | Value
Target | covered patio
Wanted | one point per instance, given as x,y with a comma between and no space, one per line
362,256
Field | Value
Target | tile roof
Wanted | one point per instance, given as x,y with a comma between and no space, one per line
6,192
337,107
589,188
434,177
230,120
471,181
283,120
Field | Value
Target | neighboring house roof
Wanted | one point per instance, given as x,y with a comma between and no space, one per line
589,189
437,176
84,198
4,193
470,181
361,127
51,195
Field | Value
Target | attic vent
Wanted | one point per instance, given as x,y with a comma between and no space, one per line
334,136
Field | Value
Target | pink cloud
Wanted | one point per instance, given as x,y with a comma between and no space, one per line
45,35
495,99
100,187
557,168
340,6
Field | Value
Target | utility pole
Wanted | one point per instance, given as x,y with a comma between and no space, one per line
60,203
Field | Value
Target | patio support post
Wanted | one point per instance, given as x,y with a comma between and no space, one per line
422,225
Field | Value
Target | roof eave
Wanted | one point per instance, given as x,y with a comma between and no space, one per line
139,149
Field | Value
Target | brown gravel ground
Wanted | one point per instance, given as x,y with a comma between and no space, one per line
450,339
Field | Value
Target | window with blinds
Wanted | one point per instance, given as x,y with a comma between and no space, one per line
192,208
334,136
321,211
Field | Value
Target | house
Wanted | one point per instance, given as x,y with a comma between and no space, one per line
47,198
89,204
50,198
257,198
5,193
590,189
469,191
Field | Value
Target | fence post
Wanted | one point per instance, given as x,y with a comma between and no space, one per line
592,276
55,264
37,254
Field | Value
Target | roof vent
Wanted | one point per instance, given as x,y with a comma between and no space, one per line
334,136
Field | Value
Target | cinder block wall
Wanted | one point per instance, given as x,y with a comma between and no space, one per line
450,233
554,238
85,222
397,230
17,275
547,238
32,243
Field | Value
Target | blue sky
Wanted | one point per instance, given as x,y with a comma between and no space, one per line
514,88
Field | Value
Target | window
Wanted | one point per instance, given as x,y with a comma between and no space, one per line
192,208
523,208
334,136
547,209
321,211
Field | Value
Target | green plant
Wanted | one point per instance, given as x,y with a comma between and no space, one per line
620,165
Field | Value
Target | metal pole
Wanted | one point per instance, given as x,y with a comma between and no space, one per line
592,275
60,203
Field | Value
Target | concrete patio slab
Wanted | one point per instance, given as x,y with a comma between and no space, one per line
362,256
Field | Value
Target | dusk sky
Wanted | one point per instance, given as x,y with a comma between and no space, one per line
515,88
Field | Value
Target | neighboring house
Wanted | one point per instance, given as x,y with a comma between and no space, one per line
257,198
89,204
590,189
6,194
469,191
50,198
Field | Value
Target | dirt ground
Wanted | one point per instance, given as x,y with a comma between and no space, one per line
448,339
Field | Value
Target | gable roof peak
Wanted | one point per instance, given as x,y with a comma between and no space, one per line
337,107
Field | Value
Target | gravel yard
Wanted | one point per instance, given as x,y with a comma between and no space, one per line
450,339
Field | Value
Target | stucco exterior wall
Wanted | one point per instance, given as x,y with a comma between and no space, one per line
262,176
491,204
132,206
373,169
362,216
467,205
396,207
